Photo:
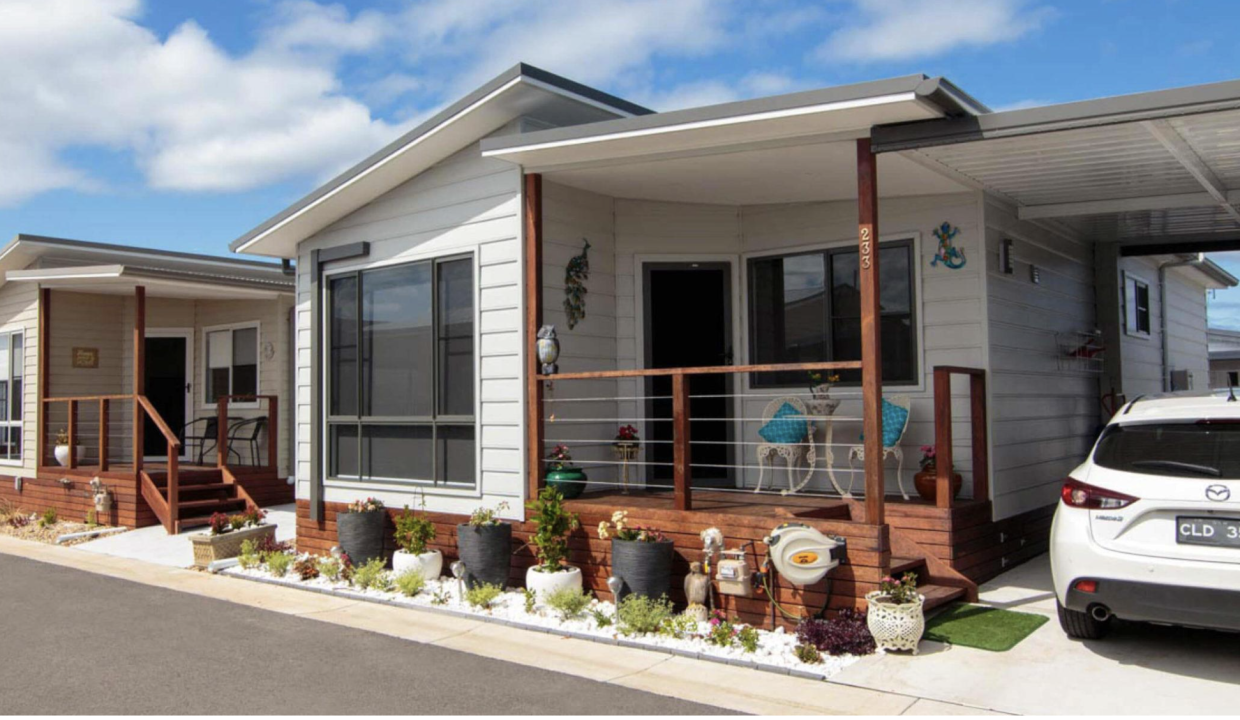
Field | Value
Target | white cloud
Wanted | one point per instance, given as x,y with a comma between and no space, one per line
85,73
306,25
904,29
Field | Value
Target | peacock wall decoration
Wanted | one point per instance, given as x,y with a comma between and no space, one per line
575,275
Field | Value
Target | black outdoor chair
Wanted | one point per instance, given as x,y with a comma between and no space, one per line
247,431
207,437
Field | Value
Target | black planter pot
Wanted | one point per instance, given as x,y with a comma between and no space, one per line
361,535
486,551
645,568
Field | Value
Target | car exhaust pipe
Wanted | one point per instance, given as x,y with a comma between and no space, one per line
1101,613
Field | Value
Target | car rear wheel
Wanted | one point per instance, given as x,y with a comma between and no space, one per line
1081,625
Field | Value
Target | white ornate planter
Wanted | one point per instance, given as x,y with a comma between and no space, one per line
430,564
895,627
62,454
545,583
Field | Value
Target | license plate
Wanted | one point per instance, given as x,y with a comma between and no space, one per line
1207,531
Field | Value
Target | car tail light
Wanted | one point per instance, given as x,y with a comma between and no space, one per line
1086,586
1079,495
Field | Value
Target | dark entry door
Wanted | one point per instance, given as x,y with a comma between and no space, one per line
688,323
167,388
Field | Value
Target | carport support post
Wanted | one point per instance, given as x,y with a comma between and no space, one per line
533,320
871,349
139,377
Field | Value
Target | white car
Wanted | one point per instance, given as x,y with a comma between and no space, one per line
1148,528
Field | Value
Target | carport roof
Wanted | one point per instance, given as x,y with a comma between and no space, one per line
1155,165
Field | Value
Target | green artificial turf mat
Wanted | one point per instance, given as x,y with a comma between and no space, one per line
978,626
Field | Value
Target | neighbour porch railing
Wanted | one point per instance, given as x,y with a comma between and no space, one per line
597,417
225,425
943,433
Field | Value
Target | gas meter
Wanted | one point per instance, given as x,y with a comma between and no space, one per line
733,575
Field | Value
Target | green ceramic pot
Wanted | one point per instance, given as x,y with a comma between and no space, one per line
570,481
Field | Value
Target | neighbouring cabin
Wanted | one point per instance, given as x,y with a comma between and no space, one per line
740,259
165,373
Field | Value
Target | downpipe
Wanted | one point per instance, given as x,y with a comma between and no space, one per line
1162,312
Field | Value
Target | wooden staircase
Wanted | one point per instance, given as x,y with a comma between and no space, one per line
201,493
936,594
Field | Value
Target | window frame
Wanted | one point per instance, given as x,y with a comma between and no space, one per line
1131,283
434,485
911,239
257,325
21,422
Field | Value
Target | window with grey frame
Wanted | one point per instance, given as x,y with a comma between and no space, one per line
400,373
806,307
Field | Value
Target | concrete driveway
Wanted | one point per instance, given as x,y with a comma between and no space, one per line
1137,669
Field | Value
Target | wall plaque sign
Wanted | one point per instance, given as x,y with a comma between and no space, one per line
85,357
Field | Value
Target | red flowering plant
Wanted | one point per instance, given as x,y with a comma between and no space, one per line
561,457
627,433
899,592
219,523
928,453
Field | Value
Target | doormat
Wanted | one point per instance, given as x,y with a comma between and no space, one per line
985,628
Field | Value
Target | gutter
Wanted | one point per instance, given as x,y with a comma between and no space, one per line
1197,261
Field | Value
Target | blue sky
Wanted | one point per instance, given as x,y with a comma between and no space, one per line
183,124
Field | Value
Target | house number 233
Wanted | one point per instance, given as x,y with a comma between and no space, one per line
867,252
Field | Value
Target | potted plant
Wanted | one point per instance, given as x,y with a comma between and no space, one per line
895,616
226,533
413,534
61,451
625,448
641,558
821,403
359,530
552,524
561,474
485,546
926,479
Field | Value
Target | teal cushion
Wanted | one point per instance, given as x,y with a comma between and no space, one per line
787,426
894,418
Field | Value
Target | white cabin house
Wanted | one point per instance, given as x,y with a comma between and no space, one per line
1021,248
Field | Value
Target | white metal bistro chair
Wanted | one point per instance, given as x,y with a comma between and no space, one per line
791,452
857,452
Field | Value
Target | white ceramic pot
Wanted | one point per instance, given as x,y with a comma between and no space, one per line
429,563
62,454
895,627
545,583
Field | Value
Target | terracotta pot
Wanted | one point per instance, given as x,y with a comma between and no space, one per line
927,484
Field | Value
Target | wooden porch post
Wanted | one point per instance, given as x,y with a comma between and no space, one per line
871,347
682,470
944,463
533,321
139,375
45,364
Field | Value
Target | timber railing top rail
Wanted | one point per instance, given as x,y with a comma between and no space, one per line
709,370
152,413
86,398
959,370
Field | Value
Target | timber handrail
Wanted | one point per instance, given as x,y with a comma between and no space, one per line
943,432
707,370
171,509
273,427
72,402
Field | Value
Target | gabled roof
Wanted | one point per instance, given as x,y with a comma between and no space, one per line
521,90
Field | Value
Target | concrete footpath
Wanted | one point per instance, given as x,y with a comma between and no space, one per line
711,684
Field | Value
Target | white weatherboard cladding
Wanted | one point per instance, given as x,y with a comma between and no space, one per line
465,203
1043,419
1186,327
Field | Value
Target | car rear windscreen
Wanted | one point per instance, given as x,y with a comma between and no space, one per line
1189,450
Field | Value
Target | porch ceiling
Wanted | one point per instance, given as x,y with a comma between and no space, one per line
122,280
1155,165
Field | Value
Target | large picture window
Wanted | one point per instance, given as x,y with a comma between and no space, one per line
11,368
400,373
806,307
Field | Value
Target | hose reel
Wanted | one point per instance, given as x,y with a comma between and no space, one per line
803,555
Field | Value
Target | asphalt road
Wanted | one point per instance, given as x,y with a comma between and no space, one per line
73,642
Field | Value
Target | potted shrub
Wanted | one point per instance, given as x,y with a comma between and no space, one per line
61,451
413,534
485,546
226,534
821,403
895,616
640,557
926,479
359,530
561,474
552,524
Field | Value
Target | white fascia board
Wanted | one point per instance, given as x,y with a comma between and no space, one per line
415,142
706,124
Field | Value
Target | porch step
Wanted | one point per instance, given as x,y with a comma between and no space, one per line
937,595
900,565
203,509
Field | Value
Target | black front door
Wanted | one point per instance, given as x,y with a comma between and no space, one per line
166,387
688,323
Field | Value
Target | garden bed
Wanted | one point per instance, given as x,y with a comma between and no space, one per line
29,527
774,651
